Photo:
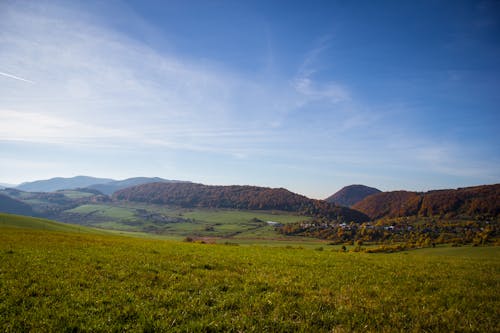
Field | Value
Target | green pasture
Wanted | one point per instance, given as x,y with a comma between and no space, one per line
73,194
15,221
69,281
197,222
103,211
227,216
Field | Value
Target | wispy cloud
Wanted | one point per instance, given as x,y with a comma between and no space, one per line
331,91
94,81
305,84
43,128
16,77
98,87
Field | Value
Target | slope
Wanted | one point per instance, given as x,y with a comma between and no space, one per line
13,206
477,202
59,183
235,197
70,282
113,186
26,222
349,195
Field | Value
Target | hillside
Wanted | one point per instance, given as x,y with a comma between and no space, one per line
13,206
113,186
53,281
51,204
26,222
59,183
236,197
349,195
472,202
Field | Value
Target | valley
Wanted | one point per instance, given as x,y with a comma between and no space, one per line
180,222
185,210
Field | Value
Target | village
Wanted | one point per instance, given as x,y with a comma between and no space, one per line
408,230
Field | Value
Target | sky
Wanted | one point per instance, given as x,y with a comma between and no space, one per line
306,95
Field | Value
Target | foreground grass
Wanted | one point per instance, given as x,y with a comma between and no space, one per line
61,281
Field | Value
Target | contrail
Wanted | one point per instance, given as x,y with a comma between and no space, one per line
15,77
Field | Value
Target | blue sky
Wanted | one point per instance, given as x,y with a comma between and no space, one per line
311,96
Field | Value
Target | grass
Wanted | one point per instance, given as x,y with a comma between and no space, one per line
69,281
227,216
72,194
14,221
105,211
197,222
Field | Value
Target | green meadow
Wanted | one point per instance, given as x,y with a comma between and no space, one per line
24,222
60,278
182,222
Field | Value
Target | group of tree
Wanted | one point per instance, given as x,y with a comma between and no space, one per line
413,231
236,197
478,202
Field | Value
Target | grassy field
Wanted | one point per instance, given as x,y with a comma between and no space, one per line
55,280
73,194
105,211
15,221
197,222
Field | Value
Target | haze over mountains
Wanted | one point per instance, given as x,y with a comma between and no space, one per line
60,183
104,185
113,186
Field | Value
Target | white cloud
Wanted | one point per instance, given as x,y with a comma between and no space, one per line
95,82
94,86
37,127
97,86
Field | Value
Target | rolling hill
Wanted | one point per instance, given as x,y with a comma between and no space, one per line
471,202
13,206
26,222
235,197
349,195
59,183
113,186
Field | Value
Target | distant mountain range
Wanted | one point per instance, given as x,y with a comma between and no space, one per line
352,203
111,187
236,197
104,185
470,202
59,183
351,194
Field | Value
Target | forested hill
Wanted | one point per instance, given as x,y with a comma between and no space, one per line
349,195
471,202
237,197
